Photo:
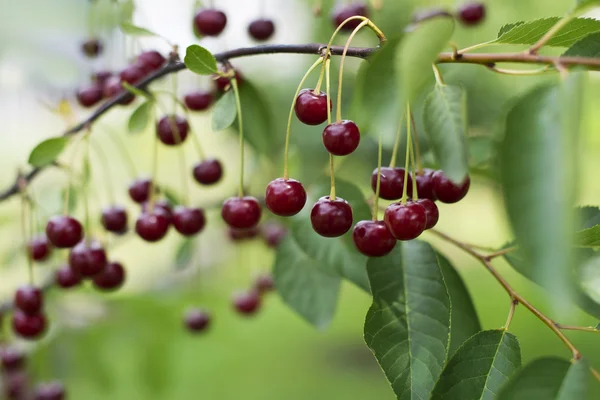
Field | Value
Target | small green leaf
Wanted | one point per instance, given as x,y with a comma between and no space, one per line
445,119
199,60
224,112
48,151
126,9
140,117
480,367
136,91
184,254
258,130
589,46
588,237
530,32
129,29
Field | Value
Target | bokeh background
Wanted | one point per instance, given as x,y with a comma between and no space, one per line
131,344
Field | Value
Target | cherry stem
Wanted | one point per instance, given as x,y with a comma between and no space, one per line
236,92
105,171
438,75
415,194
407,161
370,24
174,88
511,313
71,174
182,163
396,145
85,187
378,185
328,94
152,197
118,143
289,125
320,81
416,144
25,207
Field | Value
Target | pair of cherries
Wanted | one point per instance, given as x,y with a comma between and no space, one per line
212,22
29,320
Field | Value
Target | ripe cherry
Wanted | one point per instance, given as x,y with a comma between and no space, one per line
92,47
90,96
164,205
373,239
238,235
208,172
425,184
150,60
447,191
197,320
246,303
273,233
12,358
471,13
114,219
50,391
241,212
153,226
285,197
198,100
15,385
29,326
264,283
29,299
341,138
431,211
39,248
132,74
111,278
88,258
391,183
346,11
64,231
331,218
139,190
66,277
172,130
405,221
311,107
188,221
210,22
112,88
261,29
101,77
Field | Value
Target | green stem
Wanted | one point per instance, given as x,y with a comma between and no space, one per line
25,235
370,24
474,47
396,145
234,85
378,186
71,173
86,200
153,176
438,75
406,163
174,89
105,171
320,81
419,167
328,93
415,195
551,32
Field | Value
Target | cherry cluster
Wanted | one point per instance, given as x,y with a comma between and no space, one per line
211,22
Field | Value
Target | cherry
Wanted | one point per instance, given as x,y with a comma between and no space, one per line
112,88
223,82
50,391
101,77
92,47
15,385
471,13
241,212
405,221
132,74
172,130
197,320
153,226
331,218
29,326
208,172
210,22
12,358
425,184
90,96
39,248
261,29
88,258
238,235
188,221
311,107
64,231
150,60
114,219
391,183
66,277
164,206
264,283
285,197
247,303
198,100
273,233
346,11
341,138
139,190
29,299
111,278
447,191
431,211
373,239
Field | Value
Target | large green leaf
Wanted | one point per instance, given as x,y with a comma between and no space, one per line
530,32
199,60
480,367
48,151
258,128
589,46
140,117
445,120
224,112
408,325
548,378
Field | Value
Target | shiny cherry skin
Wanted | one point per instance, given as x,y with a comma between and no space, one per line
311,108
139,190
132,74
247,303
111,278
261,29
198,100
391,183
425,184
238,235
431,211
88,259
331,218
471,13
114,219
341,138
39,248
153,226
241,212
210,22
29,326
172,130
447,191
150,60
208,171
112,88
285,197
64,231
346,11
405,221
373,238
188,221
50,391
66,277
29,299
273,233
264,283
197,320
90,96
92,47
11,358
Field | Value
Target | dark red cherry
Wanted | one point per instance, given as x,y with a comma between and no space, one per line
391,184
343,12
341,138
66,277
447,191
111,278
198,100
331,218
92,47
164,205
15,386
311,107
247,303
101,77
285,197
29,326
210,22
238,235
153,226
64,231
208,172
50,391
39,248
471,13
264,283
425,184
172,130
405,221
188,221
150,60
261,29
88,258
431,211
90,96
29,299
373,239
223,83
112,88
241,212
12,358
132,74
197,320
114,219
273,233
139,190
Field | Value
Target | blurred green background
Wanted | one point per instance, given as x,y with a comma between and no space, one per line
131,344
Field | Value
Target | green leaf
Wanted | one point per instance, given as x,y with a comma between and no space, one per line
588,216
184,254
482,365
140,117
199,60
445,119
171,196
129,29
305,284
588,237
126,9
258,129
408,325
548,378
589,46
530,32
136,91
224,112
48,151
581,4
